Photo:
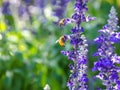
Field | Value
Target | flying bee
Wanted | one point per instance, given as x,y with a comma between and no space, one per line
62,22
61,41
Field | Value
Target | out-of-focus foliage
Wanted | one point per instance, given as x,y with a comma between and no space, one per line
30,58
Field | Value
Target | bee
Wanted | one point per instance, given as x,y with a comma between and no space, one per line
62,22
61,41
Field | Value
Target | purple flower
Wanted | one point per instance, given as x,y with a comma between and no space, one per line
59,7
5,8
40,3
28,1
78,78
108,71
22,9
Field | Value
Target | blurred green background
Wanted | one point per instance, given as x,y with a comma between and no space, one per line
30,58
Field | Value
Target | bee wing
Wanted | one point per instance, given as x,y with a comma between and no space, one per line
57,41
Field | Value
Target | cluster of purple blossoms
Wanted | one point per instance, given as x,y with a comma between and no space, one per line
5,8
41,4
107,63
23,9
59,7
78,78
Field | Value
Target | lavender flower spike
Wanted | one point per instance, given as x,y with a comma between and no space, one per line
106,64
59,8
78,78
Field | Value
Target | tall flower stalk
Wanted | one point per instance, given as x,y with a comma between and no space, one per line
78,77
106,64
